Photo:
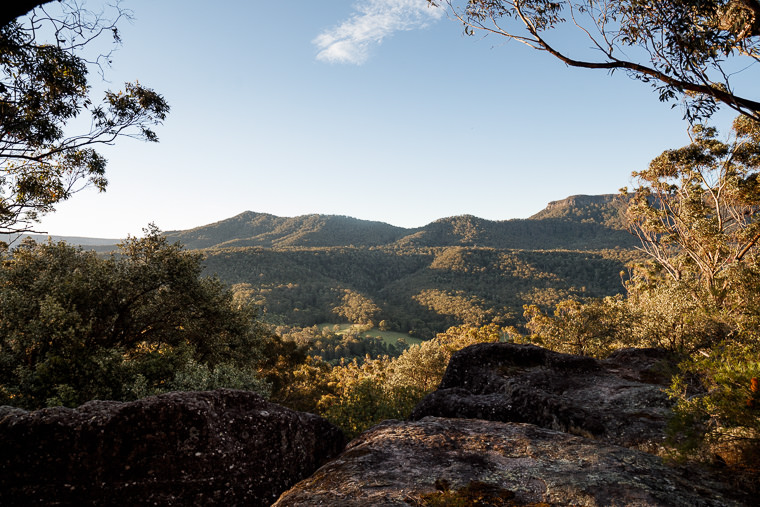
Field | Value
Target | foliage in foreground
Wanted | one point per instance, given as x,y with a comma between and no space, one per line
723,417
356,395
76,327
44,87
686,50
715,385
697,213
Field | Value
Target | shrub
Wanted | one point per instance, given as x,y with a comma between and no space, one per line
75,326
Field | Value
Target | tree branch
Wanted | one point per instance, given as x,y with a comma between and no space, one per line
747,247
747,107
678,57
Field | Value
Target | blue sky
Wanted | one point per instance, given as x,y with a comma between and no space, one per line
377,109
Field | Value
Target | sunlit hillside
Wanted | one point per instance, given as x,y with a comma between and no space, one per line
458,270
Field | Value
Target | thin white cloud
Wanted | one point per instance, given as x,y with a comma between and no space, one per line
374,20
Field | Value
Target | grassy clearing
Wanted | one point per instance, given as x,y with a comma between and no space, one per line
389,337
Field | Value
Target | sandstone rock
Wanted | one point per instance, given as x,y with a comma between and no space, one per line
620,400
220,447
435,460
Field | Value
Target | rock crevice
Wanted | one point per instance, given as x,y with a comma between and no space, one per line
620,400
418,462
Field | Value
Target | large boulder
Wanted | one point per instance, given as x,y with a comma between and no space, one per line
621,400
221,447
438,461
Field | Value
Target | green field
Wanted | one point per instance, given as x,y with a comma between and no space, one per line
389,337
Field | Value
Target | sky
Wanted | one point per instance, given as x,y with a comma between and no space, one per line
375,109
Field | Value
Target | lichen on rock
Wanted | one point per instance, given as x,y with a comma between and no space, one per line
415,463
220,447
621,400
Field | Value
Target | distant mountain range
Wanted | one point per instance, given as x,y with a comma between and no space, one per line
578,222
313,269
305,270
104,244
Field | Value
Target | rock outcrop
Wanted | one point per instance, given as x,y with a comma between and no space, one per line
620,400
438,461
220,447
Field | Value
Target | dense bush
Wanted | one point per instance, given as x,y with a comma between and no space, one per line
720,416
357,395
715,388
76,327
697,213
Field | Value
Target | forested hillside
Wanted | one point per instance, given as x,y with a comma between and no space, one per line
261,229
422,291
607,210
578,222
461,270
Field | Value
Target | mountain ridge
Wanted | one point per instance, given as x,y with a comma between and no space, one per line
585,221
580,221
304,271
312,269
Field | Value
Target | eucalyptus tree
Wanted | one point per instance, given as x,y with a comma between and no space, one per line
76,326
698,51
697,208
47,143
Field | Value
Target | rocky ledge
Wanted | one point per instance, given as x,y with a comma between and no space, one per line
439,461
620,400
221,447
521,425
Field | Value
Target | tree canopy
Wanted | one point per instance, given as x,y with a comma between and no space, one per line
696,209
692,50
75,326
696,213
47,153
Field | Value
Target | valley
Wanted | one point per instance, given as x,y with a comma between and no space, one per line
314,269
